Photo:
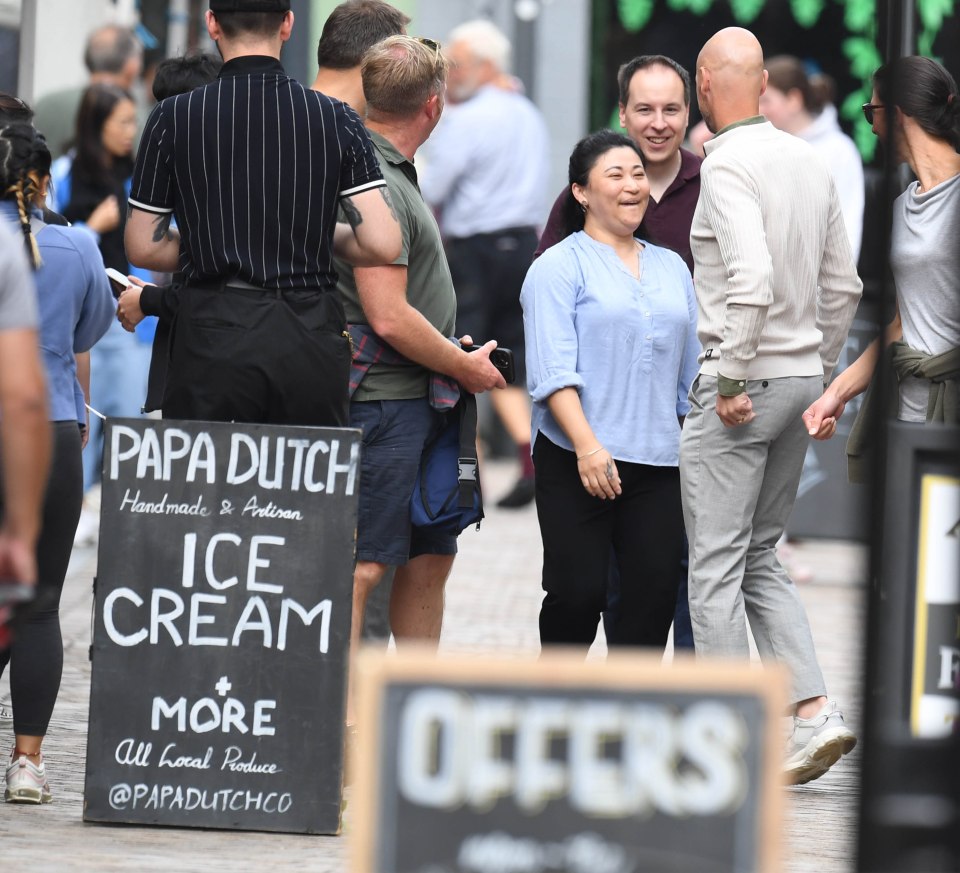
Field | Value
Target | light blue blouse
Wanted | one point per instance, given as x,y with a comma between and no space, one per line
629,347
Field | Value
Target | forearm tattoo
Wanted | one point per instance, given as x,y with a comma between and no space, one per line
353,214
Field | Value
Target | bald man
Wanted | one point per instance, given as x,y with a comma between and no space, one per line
766,233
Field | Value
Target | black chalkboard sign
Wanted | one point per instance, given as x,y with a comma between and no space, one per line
561,766
222,623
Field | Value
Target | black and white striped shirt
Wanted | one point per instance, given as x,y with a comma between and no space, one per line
253,166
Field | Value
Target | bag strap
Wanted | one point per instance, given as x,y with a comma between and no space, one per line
467,462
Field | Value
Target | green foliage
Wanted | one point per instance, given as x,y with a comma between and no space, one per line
807,12
744,11
932,14
634,14
859,15
863,55
615,120
697,7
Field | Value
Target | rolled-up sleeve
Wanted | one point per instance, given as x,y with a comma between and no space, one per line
549,299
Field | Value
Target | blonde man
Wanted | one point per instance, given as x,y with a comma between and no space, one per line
407,309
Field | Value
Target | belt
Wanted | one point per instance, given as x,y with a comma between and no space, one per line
246,289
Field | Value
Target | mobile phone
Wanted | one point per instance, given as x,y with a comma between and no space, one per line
118,282
502,359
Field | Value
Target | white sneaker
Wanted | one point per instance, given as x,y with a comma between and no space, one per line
88,528
27,782
817,744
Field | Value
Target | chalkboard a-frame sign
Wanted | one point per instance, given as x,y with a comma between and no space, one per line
221,628
562,766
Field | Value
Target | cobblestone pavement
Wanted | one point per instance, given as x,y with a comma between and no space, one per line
492,605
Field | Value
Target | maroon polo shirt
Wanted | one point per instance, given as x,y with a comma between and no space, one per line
665,223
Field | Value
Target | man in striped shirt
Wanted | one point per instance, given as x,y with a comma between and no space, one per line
254,166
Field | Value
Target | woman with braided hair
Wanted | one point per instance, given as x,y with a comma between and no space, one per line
76,307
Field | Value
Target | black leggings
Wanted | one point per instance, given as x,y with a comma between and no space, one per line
36,656
642,530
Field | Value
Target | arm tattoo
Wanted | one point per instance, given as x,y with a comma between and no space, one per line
385,193
161,230
352,213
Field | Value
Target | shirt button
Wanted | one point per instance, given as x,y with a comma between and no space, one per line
648,336
647,314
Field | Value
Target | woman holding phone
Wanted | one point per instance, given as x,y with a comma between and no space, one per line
76,308
610,325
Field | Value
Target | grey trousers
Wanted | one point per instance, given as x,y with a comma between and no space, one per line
738,486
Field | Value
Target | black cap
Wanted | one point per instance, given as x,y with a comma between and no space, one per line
249,5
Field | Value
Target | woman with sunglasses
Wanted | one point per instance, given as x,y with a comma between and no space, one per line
76,308
915,111
611,339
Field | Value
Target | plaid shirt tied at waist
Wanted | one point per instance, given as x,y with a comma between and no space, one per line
369,349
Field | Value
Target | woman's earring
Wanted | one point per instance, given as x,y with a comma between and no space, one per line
583,205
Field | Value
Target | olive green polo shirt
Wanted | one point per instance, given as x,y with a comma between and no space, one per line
429,285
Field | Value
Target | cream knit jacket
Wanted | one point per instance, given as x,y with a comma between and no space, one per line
776,284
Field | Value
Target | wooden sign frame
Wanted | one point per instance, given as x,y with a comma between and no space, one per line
221,626
629,677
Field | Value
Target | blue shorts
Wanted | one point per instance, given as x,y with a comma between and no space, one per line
394,434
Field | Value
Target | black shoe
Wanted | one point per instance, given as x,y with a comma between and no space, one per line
520,495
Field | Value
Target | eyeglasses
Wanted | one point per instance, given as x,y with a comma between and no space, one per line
430,44
869,109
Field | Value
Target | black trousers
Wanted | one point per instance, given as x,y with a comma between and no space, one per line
488,270
268,357
36,656
642,530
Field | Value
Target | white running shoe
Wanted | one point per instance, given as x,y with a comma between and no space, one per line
817,744
27,782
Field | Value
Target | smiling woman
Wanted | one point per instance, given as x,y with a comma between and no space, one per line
610,325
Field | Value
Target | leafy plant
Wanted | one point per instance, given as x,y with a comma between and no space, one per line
807,12
744,11
634,14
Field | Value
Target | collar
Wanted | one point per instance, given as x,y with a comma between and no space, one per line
714,143
388,149
689,165
247,65
753,119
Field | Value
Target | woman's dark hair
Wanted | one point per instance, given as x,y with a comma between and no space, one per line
584,157
92,161
23,151
924,90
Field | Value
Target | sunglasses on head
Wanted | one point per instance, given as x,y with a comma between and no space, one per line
869,109
431,44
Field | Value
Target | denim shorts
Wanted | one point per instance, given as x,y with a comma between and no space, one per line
394,434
